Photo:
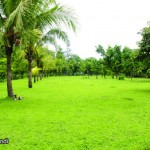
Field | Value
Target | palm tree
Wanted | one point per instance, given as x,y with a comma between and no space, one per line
48,21
12,16
33,41
47,60
29,39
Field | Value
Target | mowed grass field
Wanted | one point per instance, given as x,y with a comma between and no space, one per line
72,113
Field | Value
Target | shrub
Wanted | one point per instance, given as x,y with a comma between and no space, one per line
2,76
121,77
148,73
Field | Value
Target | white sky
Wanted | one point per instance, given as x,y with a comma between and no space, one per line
107,22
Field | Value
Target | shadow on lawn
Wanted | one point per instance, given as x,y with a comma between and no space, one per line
142,80
128,98
146,91
6,99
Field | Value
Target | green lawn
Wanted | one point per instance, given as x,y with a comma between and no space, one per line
72,113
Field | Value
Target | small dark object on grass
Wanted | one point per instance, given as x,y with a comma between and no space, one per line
17,98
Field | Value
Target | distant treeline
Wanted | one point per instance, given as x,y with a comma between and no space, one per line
114,61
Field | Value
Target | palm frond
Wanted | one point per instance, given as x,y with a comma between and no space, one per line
56,33
30,37
67,16
17,16
2,41
8,6
57,15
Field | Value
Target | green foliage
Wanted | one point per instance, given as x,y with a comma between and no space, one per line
148,73
2,69
100,50
19,71
52,35
128,61
35,71
144,45
121,77
74,63
112,58
145,42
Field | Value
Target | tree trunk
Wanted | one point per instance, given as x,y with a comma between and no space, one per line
116,75
96,76
37,77
29,73
131,75
47,74
40,76
34,79
9,73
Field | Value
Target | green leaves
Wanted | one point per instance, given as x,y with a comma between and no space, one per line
66,16
100,50
30,37
16,18
54,34
145,42
56,15
35,71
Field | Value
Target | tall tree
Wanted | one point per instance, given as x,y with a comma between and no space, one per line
74,62
144,44
116,66
102,62
29,39
13,14
113,60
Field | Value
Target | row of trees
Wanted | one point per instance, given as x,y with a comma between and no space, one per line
114,61
27,25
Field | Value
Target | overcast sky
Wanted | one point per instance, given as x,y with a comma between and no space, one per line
107,22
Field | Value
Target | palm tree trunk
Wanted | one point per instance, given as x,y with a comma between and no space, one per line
131,74
41,75
29,73
34,79
37,77
9,73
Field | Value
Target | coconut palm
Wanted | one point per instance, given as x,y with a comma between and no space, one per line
12,16
29,39
45,60
48,20
34,43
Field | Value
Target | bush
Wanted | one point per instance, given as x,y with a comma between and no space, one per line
2,76
121,77
148,73
16,76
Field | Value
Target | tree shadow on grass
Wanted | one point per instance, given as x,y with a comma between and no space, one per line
128,98
6,99
147,91
141,80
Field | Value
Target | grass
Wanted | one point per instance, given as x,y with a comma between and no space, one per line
72,113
